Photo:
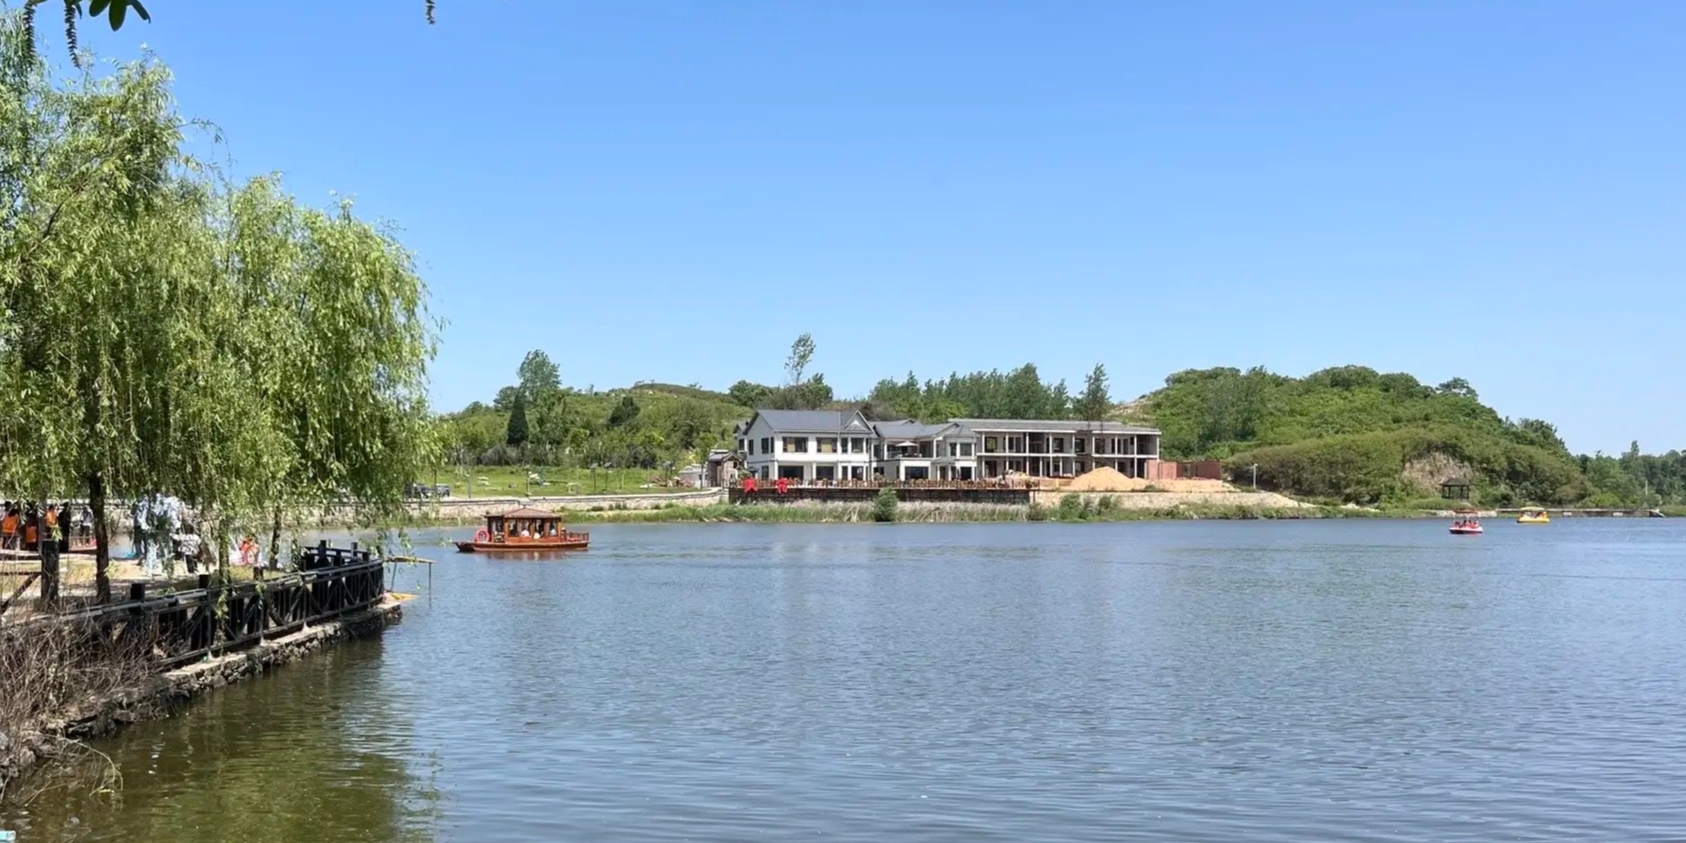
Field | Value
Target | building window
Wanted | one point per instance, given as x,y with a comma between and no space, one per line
1015,444
857,445
827,445
878,450
991,444
966,451
1080,445
766,445
796,444
1059,444
954,449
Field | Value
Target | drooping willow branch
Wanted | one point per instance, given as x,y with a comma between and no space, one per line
116,11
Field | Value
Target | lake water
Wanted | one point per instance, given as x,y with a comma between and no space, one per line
1258,681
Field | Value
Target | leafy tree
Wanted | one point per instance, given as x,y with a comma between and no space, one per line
1095,402
801,354
1540,434
1458,387
537,377
749,394
160,335
506,398
515,435
625,412
1024,395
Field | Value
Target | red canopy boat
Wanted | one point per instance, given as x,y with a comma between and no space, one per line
520,530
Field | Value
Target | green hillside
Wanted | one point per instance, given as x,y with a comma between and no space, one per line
1355,434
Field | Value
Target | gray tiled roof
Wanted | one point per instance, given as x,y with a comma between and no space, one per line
814,421
1051,425
909,429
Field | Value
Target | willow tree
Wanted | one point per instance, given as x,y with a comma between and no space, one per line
122,338
160,335
344,371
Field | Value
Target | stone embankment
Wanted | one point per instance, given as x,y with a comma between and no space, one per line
157,695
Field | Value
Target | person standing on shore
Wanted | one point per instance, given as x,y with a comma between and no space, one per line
64,527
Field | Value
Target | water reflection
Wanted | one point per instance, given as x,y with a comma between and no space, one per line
1196,681
312,747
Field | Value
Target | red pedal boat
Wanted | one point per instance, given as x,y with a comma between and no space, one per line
523,531
1466,527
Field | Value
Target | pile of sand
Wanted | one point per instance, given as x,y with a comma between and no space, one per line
1106,479
1102,479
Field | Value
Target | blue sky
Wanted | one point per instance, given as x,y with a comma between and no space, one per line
673,191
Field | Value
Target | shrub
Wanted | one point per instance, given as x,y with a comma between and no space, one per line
1070,508
1037,512
884,505
1106,505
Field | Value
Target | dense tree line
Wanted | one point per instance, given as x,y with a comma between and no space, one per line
164,332
1347,432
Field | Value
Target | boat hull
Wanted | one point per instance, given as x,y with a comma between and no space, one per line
1465,531
580,543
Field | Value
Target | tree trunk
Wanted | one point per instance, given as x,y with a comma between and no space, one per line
275,542
102,538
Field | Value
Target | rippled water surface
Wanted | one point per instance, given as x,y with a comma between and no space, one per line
1353,680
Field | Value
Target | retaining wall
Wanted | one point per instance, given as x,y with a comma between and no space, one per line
161,693
1168,500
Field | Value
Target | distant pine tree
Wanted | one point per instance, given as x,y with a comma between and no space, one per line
516,434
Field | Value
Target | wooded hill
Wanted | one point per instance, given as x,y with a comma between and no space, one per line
1353,434
1348,434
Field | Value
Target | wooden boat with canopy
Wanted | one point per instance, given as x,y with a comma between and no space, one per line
523,530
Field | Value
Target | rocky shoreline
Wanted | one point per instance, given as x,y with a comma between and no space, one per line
158,695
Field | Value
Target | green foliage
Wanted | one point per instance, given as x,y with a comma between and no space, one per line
801,354
624,412
1036,512
884,505
515,433
1095,402
750,395
164,334
1019,394
537,378
1367,467
1070,508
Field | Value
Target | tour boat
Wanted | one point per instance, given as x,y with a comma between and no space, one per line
1466,527
524,530
1533,516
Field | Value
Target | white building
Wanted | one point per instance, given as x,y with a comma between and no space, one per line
807,445
909,450
826,445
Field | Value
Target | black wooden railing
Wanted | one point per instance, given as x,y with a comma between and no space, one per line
209,620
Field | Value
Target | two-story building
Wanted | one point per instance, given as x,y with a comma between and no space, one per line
1051,448
910,450
827,445
807,445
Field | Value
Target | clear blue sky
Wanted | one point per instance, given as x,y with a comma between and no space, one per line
674,190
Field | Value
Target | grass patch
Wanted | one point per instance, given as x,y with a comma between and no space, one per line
499,481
